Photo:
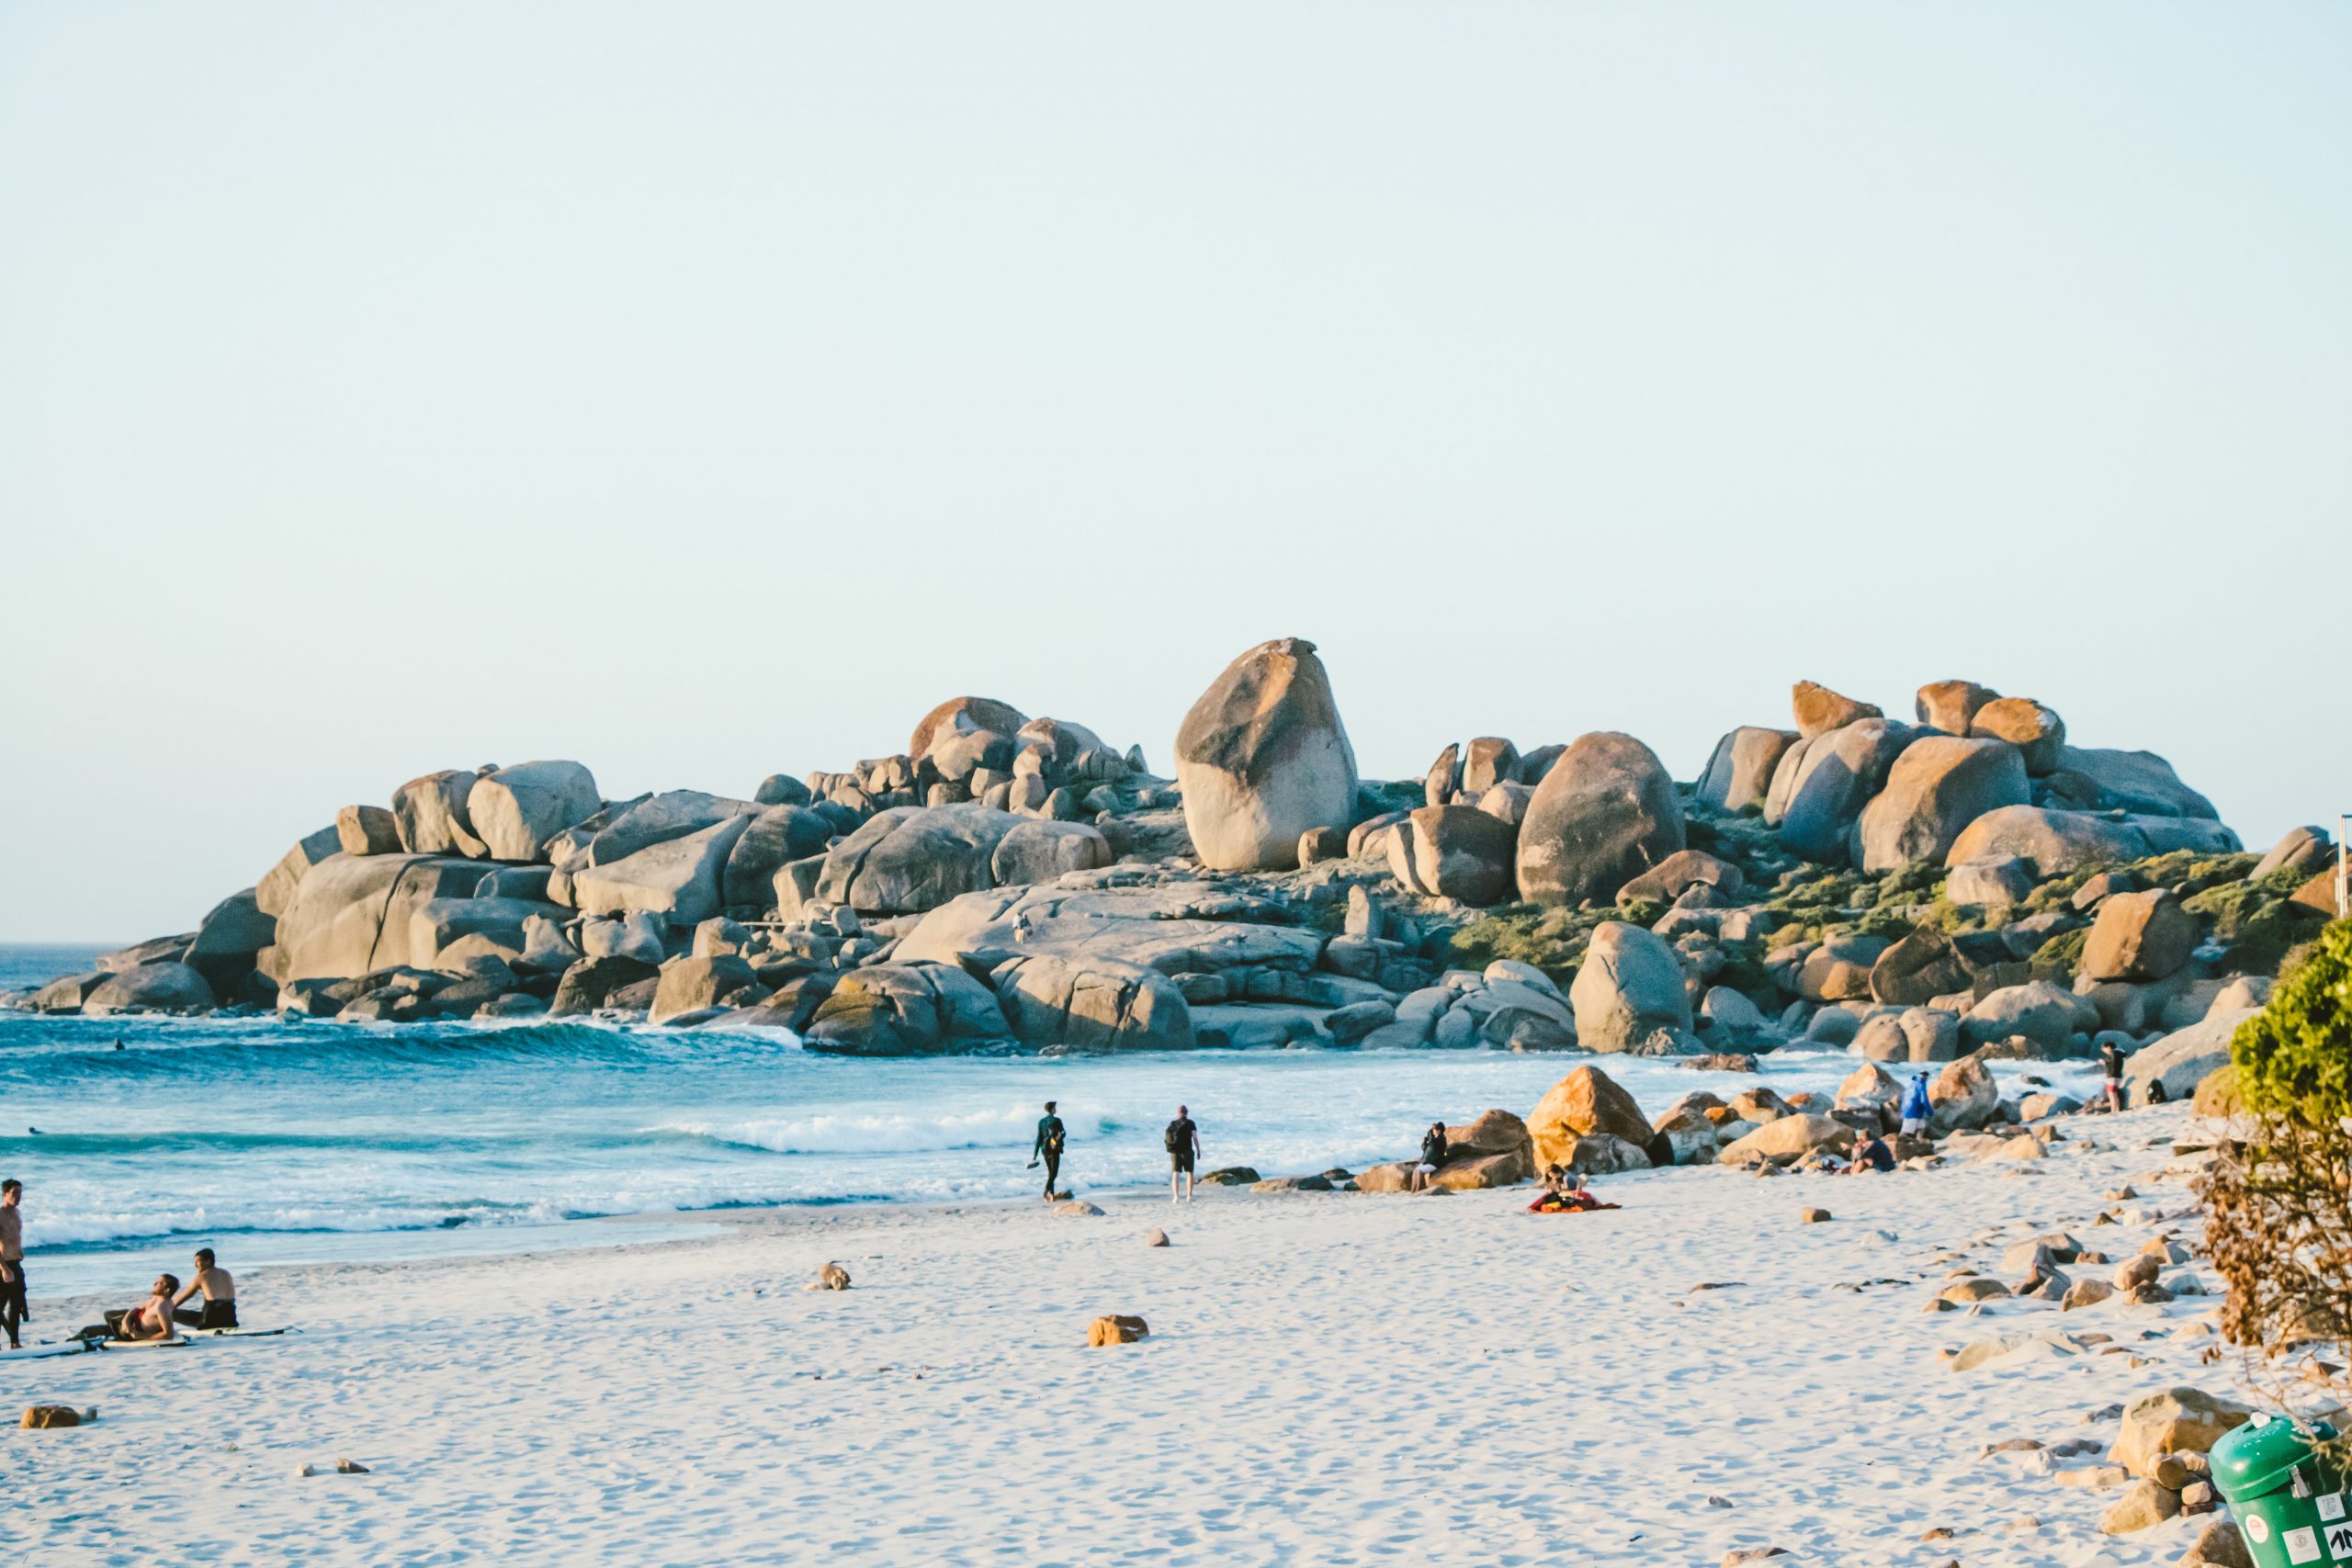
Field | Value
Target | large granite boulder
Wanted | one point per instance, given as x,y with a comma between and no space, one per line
1606,813
276,889
2091,779
1263,757
593,982
1740,772
1995,882
2183,1059
906,1009
691,985
909,858
780,834
2036,731
1949,705
150,988
2139,936
2048,1015
438,923
1936,788
353,914
1820,710
1091,1003
1963,1097
431,813
1454,852
2303,850
1629,985
1585,1102
679,879
1919,969
1179,929
957,714
2057,842
1788,1138
231,933
1041,850
1680,872
660,818
516,810
1836,776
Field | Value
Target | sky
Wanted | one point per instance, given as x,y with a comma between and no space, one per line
705,390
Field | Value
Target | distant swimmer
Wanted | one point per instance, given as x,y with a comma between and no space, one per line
219,1310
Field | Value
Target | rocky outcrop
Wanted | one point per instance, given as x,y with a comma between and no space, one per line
150,988
1456,852
1949,705
1606,813
912,859
962,715
780,834
678,878
1934,790
354,914
1835,777
2057,842
2140,783
516,810
906,1009
1630,988
1788,1138
276,890
1043,852
691,985
1091,1003
657,819
1739,773
1263,757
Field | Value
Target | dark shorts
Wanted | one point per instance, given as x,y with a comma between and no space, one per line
1181,1163
216,1314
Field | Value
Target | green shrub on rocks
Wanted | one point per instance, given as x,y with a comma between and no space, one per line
2058,959
1553,939
2259,919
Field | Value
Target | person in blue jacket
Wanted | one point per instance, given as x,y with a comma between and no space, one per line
1915,1107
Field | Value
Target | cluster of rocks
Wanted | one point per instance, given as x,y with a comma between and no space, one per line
1912,892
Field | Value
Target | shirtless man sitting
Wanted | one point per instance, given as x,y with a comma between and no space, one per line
151,1319
220,1309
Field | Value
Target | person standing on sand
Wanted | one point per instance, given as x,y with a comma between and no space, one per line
1183,1141
2110,1056
1051,1138
1917,1107
13,1310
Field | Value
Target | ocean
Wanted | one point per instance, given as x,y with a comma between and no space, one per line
140,1139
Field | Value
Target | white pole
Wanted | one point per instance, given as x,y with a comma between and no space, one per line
2342,873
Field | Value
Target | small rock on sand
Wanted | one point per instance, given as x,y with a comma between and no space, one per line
1117,1328
2219,1545
40,1418
1811,1216
2144,1505
1155,1237
832,1277
1076,1206
350,1466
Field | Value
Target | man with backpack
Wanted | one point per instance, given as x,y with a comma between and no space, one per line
1051,1137
1183,1141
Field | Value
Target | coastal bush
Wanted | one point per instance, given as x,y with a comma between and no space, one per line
2058,959
2259,920
2279,1199
1552,939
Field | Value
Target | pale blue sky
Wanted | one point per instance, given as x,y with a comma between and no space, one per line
704,389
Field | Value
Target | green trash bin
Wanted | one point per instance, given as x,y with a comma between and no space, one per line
2291,1504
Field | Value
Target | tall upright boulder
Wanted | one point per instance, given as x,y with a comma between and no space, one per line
1629,985
1263,757
2139,936
1585,1103
516,810
1935,789
1838,774
1606,813
1739,772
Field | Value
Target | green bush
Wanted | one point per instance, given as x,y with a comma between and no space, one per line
2294,1057
2058,959
2259,920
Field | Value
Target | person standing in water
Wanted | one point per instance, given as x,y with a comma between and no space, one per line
1183,1141
13,1310
1051,1137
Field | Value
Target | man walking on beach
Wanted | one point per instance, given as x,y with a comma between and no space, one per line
1051,1136
1183,1141
2110,1056
13,1310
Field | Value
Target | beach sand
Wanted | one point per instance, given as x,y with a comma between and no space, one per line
1331,1380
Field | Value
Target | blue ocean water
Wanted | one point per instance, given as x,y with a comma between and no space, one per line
312,1141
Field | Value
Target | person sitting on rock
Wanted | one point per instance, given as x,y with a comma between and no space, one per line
219,1310
1917,1107
1433,1153
1872,1154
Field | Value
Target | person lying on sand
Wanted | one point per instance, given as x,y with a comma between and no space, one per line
1433,1152
1564,1190
151,1319
219,1310
1872,1154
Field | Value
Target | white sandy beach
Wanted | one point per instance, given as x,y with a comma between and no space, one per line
1331,1380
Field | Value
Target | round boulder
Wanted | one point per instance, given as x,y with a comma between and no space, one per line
1454,852
1606,813
1936,788
1630,985
1263,757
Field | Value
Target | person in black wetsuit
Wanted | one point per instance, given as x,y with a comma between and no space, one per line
1051,1137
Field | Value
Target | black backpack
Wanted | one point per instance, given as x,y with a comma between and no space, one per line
1174,1139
